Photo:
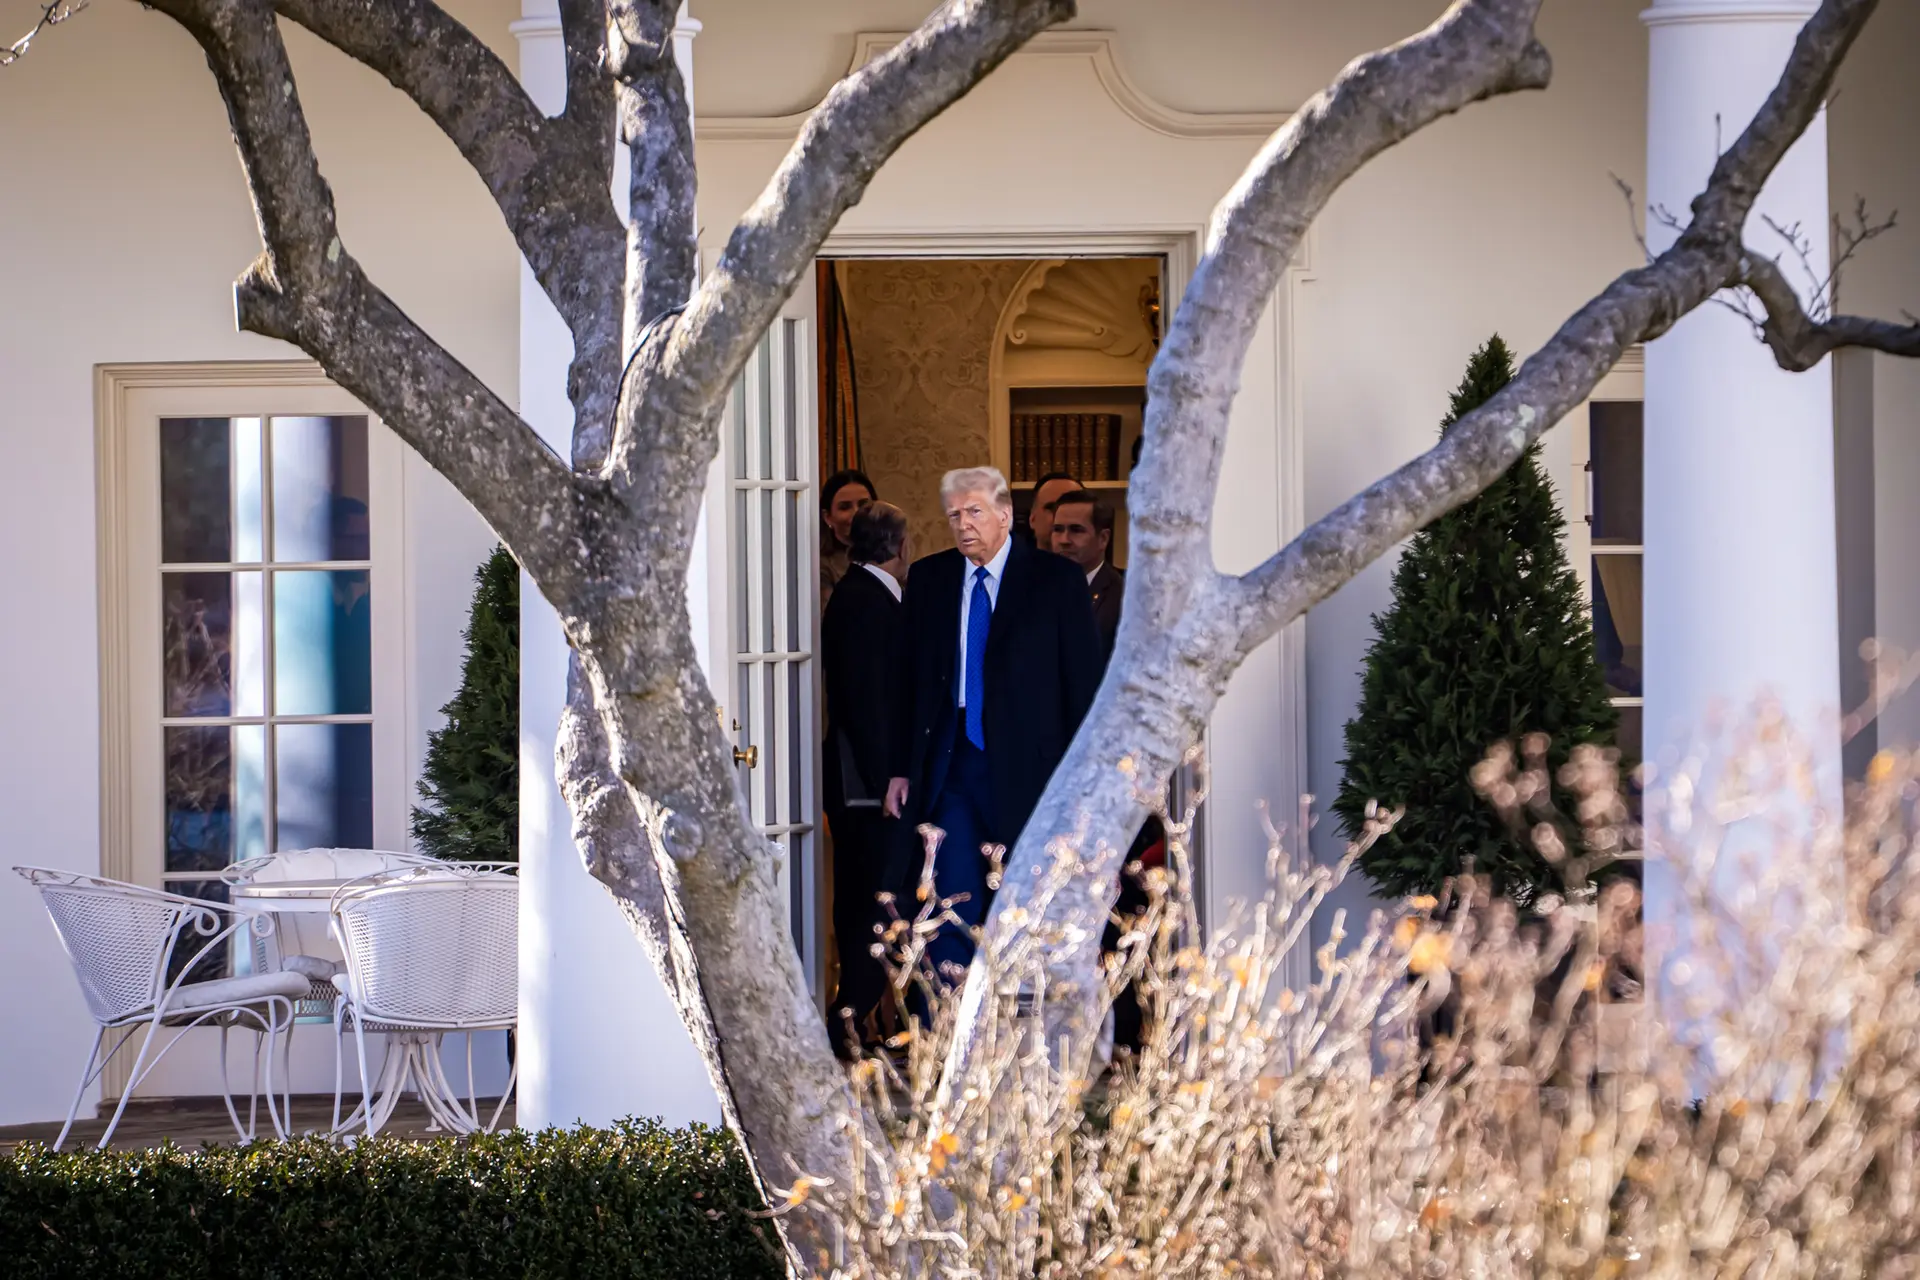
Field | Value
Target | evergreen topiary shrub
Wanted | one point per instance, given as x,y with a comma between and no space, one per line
1488,639
471,782
637,1200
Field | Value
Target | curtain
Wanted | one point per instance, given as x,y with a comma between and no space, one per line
839,401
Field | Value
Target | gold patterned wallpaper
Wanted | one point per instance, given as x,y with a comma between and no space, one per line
921,332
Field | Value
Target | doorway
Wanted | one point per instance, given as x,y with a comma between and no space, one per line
903,368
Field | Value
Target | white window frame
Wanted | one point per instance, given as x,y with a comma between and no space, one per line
129,400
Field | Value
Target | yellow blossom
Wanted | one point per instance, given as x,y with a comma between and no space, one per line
1881,767
1430,951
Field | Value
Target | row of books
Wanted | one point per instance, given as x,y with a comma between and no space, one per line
1084,445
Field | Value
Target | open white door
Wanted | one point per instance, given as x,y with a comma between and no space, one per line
773,604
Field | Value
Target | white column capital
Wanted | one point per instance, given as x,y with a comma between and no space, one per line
1669,12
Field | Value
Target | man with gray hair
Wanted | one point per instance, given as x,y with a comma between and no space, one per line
1002,660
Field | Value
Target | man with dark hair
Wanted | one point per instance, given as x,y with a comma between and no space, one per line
860,653
1083,533
1046,492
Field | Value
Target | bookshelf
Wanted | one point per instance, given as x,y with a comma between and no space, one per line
1086,431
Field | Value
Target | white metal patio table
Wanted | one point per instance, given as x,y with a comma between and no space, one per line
414,1054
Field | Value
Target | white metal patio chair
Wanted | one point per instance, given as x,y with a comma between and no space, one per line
305,942
123,941
430,950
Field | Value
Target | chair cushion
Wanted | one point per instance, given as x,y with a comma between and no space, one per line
245,989
315,969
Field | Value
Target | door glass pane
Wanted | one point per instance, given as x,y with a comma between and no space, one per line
196,612
323,786
248,475
796,639
767,552
737,413
742,578
770,748
196,957
195,484
249,744
199,798
1616,427
1629,740
319,489
799,805
743,709
763,357
1616,621
322,643
790,405
249,669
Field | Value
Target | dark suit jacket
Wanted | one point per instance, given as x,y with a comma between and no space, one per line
1043,665
1107,586
861,643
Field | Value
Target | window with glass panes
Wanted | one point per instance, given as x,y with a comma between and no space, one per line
266,639
1614,513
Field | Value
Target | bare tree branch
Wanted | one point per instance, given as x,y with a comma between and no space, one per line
1798,340
1640,305
307,289
583,32
1166,672
863,120
549,177
656,127
52,14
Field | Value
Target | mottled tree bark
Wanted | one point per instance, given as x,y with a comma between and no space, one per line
606,534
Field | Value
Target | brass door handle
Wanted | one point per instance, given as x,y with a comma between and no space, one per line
750,757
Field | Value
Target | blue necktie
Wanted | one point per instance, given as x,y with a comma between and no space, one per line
979,617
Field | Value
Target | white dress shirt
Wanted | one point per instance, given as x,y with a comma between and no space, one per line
996,570
891,583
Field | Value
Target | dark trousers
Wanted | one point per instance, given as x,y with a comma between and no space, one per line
1129,1018
859,861
963,810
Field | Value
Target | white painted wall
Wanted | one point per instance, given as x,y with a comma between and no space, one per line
123,222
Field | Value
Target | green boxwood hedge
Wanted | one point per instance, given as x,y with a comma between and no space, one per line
637,1200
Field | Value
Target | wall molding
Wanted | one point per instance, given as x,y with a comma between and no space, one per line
1095,49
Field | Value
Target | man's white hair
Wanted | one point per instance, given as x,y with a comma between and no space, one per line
986,480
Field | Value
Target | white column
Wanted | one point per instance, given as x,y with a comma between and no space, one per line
598,1037
1740,545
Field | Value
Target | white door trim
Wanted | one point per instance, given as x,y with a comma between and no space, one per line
126,591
